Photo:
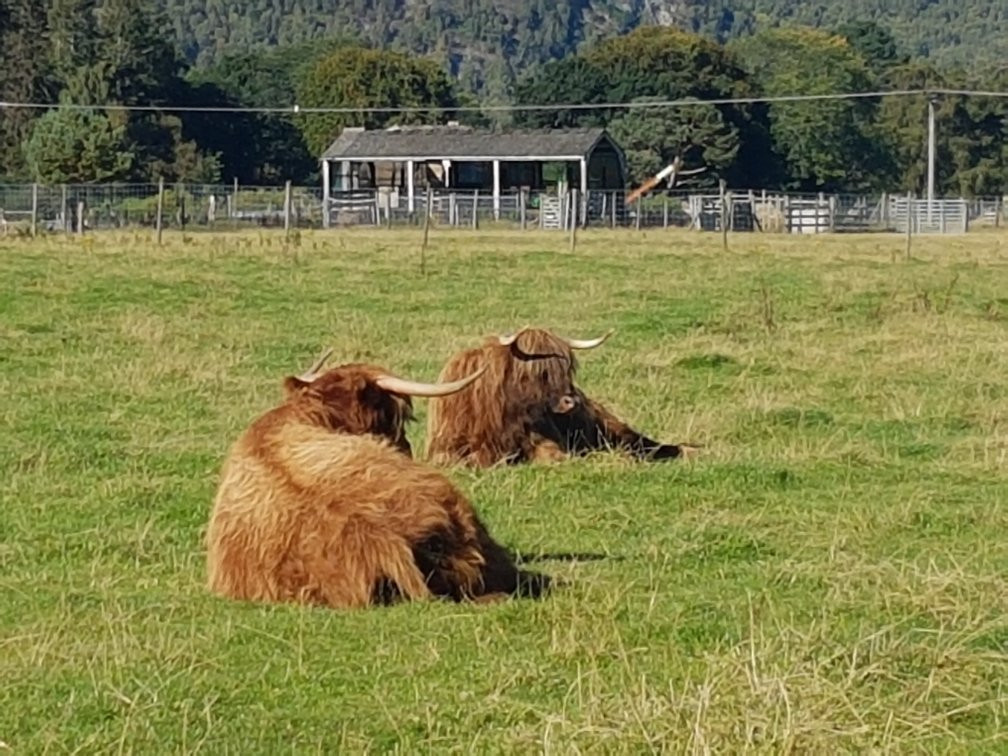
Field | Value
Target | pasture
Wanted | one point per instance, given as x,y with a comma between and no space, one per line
830,574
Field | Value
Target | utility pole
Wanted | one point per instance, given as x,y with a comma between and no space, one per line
931,154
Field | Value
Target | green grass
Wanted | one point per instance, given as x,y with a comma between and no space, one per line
829,576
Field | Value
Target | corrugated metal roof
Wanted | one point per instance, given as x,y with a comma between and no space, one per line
458,142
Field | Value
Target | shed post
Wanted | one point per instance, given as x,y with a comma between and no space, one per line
409,186
496,189
326,191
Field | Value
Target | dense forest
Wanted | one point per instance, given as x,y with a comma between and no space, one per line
445,54
486,43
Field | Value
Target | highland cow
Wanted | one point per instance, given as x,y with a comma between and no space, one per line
525,407
320,502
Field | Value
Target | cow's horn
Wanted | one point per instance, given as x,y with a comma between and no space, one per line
511,338
413,388
311,373
588,343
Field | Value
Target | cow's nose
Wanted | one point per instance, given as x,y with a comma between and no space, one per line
564,404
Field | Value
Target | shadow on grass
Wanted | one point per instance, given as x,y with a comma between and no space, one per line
571,556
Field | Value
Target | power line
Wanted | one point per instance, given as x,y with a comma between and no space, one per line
496,108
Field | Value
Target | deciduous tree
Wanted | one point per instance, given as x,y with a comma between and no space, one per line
358,78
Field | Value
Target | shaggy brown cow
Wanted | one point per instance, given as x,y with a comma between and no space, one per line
320,502
526,407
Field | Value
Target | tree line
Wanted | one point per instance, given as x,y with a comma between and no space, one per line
113,52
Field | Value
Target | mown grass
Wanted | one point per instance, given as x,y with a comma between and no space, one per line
828,576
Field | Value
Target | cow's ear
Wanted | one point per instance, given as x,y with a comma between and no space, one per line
293,385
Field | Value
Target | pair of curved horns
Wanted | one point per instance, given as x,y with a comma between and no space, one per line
398,385
510,339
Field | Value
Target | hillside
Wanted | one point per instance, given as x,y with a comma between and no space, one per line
486,42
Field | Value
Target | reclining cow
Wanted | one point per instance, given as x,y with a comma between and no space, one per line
526,407
320,502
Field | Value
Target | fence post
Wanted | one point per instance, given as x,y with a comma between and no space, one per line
574,219
63,211
665,211
234,202
640,212
287,209
521,207
475,212
724,214
910,219
181,205
428,205
997,212
34,212
160,208
614,208
80,217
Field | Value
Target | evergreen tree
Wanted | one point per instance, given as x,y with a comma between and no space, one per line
25,76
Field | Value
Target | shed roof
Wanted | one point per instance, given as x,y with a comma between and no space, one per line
461,142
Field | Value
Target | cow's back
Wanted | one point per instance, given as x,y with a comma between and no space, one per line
307,514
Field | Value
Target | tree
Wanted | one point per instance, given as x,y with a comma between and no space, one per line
874,42
24,76
902,126
697,134
261,148
77,146
360,78
657,63
574,79
74,42
825,145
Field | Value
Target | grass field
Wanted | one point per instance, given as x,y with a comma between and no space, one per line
830,575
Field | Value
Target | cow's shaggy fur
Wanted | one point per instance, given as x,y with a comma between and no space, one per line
526,407
320,502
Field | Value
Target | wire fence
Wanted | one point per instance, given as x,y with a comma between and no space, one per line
78,208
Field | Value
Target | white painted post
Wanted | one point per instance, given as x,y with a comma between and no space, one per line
496,189
409,187
326,191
